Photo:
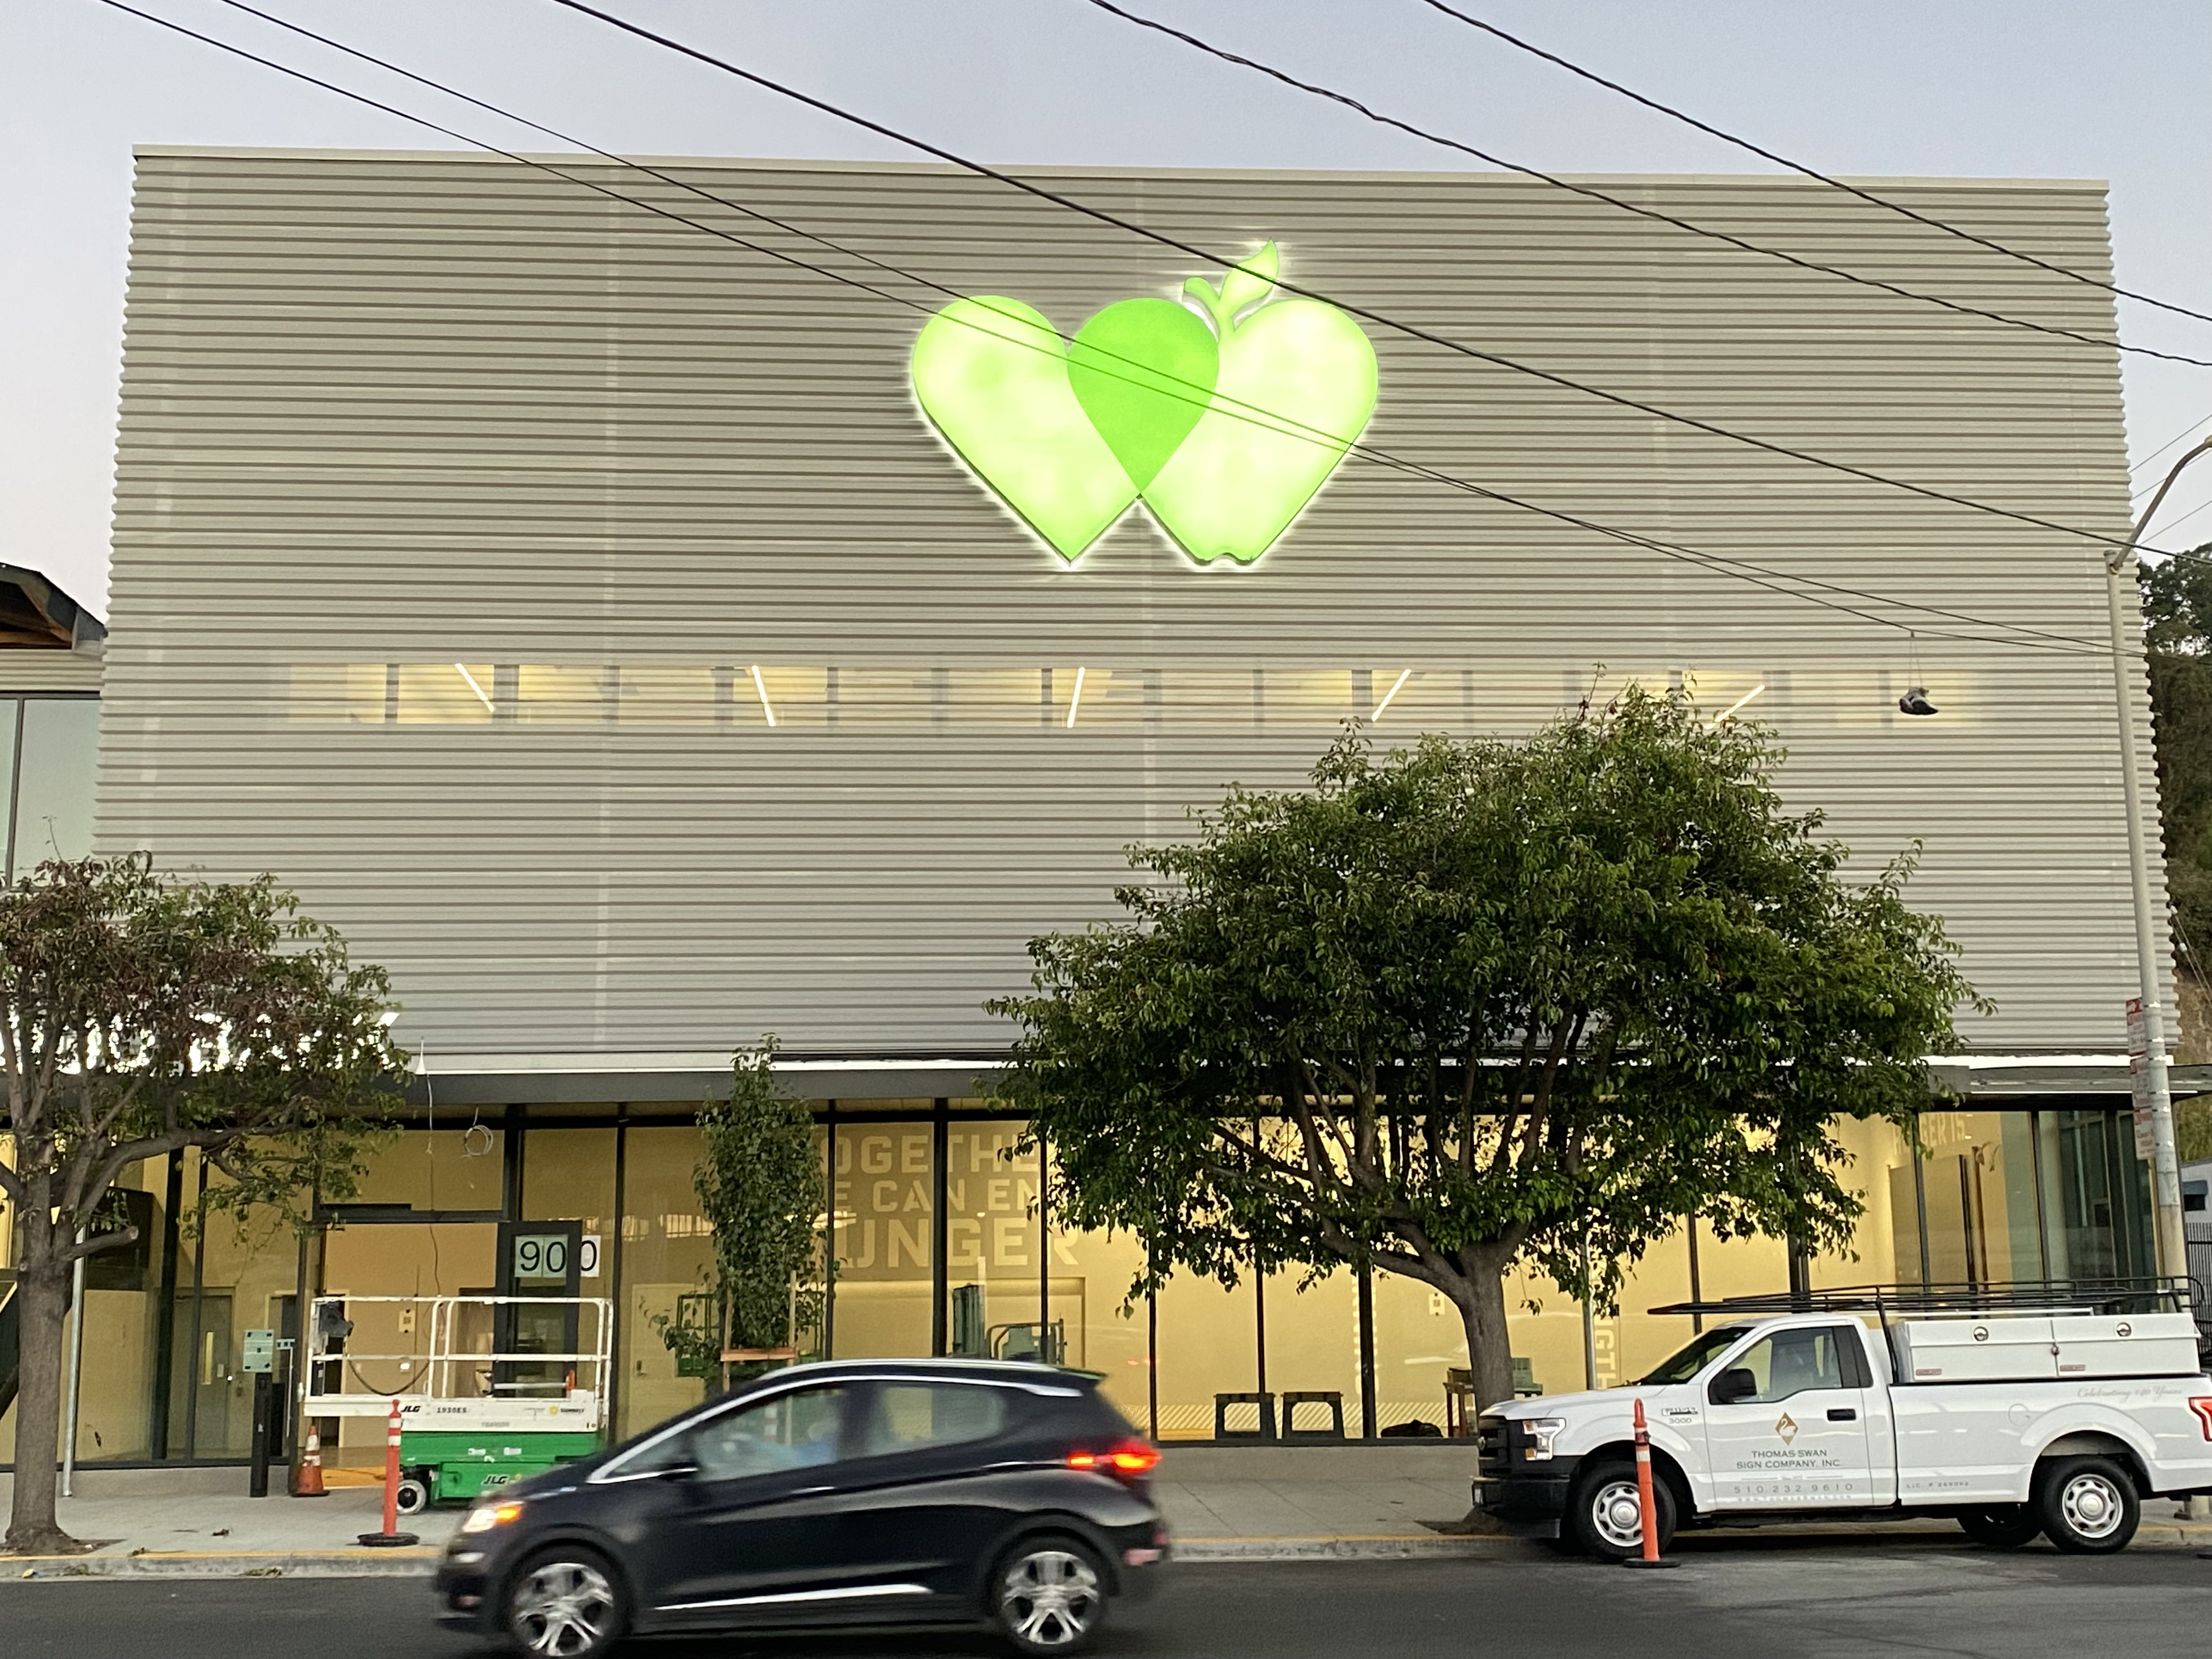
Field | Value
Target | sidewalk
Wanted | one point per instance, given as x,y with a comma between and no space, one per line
1223,1504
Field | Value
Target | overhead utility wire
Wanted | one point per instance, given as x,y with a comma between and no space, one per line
2181,436
1411,330
1745,144
1203,397
2063,643
1594,194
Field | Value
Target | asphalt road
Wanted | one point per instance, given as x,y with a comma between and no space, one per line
1729,1599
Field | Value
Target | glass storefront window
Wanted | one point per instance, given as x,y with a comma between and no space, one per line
1208,1344
1091,1273
884,1193
667,1253
456,1168
1886,1248
54,781
1978,1183
1976,1188
2096,1209
1312,1336
993,1271
569,1174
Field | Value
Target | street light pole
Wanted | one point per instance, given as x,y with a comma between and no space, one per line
2172,1238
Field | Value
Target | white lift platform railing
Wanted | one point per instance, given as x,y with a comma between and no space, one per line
449,1376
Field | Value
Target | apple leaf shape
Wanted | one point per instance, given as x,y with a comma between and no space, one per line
1250,281
1294,391
992,375
1143,370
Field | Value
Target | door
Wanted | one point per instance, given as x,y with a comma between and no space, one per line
924,1493
200,1413
756,1534
1786,1422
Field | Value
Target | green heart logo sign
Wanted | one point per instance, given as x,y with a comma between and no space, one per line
1224,415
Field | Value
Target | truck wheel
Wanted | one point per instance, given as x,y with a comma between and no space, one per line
414,1492
2001,1526
1603,1516
2087,1505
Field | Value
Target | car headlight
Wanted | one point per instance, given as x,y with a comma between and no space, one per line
1543,1432
485,1517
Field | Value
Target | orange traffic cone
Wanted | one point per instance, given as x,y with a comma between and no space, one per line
309,1483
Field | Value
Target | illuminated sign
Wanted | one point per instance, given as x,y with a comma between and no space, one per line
1223,414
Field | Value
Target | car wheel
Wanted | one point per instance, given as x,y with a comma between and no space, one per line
1604,1517
2087,1505
414,1495
2001,1526
1049,1596
566,1602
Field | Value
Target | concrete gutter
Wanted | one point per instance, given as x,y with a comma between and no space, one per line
420,1563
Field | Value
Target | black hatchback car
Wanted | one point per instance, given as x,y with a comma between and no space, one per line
853,1493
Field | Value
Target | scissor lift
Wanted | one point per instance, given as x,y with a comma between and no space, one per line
476,1408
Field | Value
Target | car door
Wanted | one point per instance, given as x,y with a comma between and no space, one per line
930,1485
753,1532
1786,1422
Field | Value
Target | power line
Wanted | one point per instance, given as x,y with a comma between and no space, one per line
2176,524
1742,570
1204,398
1594,194
1745,144
1411,331
2181,436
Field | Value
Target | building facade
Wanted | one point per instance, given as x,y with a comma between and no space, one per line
590,590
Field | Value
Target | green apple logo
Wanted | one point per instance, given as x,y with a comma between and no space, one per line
1225,431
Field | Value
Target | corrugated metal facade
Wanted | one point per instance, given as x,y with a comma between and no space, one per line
386,415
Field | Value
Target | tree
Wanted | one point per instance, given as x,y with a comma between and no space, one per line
763,1189
2177,604
1484,1002
142,1014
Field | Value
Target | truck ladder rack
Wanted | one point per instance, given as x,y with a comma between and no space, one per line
2102,1295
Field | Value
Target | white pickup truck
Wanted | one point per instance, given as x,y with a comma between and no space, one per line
2014,1423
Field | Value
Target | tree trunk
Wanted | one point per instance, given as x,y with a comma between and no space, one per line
42,1297
1489,1343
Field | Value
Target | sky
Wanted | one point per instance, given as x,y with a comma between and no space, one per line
2111,89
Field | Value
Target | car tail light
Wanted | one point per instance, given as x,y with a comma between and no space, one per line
1130,1460
2203,1410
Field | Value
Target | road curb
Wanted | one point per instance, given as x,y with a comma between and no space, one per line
421,1563
334,1564
1441,1548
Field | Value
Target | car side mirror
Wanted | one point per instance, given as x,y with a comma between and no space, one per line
1731,1386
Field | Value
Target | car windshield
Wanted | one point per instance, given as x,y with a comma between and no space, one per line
1689,1361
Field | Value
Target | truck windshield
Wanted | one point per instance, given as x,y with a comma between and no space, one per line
1690,1360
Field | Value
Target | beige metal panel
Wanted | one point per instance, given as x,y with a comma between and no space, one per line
387,414
34,670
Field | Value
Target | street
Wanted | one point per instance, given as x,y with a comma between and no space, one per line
1778,1598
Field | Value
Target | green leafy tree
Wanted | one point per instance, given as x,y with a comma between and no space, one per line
141,1014
763,1189
2177,604
1485,1002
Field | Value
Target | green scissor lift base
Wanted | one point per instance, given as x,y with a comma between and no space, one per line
459,1464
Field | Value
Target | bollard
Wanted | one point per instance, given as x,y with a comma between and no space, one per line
391,1537
1645,1503
309,1483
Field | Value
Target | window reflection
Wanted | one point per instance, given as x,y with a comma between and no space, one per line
55,741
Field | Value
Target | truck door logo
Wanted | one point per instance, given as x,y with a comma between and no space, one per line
1786,1426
